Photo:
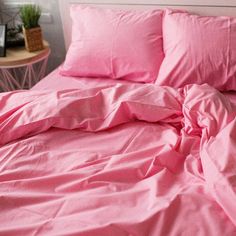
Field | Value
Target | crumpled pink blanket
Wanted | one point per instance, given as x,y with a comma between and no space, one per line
118,160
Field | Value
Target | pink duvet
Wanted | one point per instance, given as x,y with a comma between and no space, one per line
121,160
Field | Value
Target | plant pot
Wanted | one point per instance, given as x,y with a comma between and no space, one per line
33,39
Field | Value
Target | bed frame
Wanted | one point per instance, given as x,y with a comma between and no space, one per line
202,7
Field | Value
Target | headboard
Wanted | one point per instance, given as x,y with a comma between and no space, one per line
202,7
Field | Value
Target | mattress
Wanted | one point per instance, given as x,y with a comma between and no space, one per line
56,81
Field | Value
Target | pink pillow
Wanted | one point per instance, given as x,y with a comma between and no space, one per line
198,50
117,44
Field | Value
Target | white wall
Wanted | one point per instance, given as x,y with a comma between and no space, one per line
166,2
52,29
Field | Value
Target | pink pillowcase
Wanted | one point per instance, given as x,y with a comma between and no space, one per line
198,50
117,44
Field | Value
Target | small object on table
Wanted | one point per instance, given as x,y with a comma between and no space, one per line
15,37
21,69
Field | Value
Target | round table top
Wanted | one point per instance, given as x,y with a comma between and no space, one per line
19,56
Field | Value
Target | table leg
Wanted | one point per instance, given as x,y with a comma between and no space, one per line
23,77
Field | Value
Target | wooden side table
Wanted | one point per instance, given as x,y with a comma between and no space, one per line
21,69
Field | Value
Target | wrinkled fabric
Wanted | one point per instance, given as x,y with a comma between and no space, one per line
118,160
198,49
108,43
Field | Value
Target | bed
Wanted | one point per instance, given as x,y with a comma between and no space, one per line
89,152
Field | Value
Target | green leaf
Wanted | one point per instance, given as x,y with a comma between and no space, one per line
30,15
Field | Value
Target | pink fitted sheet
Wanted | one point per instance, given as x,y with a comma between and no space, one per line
56,81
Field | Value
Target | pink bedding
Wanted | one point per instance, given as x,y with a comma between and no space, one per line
117,159
198,49
101,43
56,81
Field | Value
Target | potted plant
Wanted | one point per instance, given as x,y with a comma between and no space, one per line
30,15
